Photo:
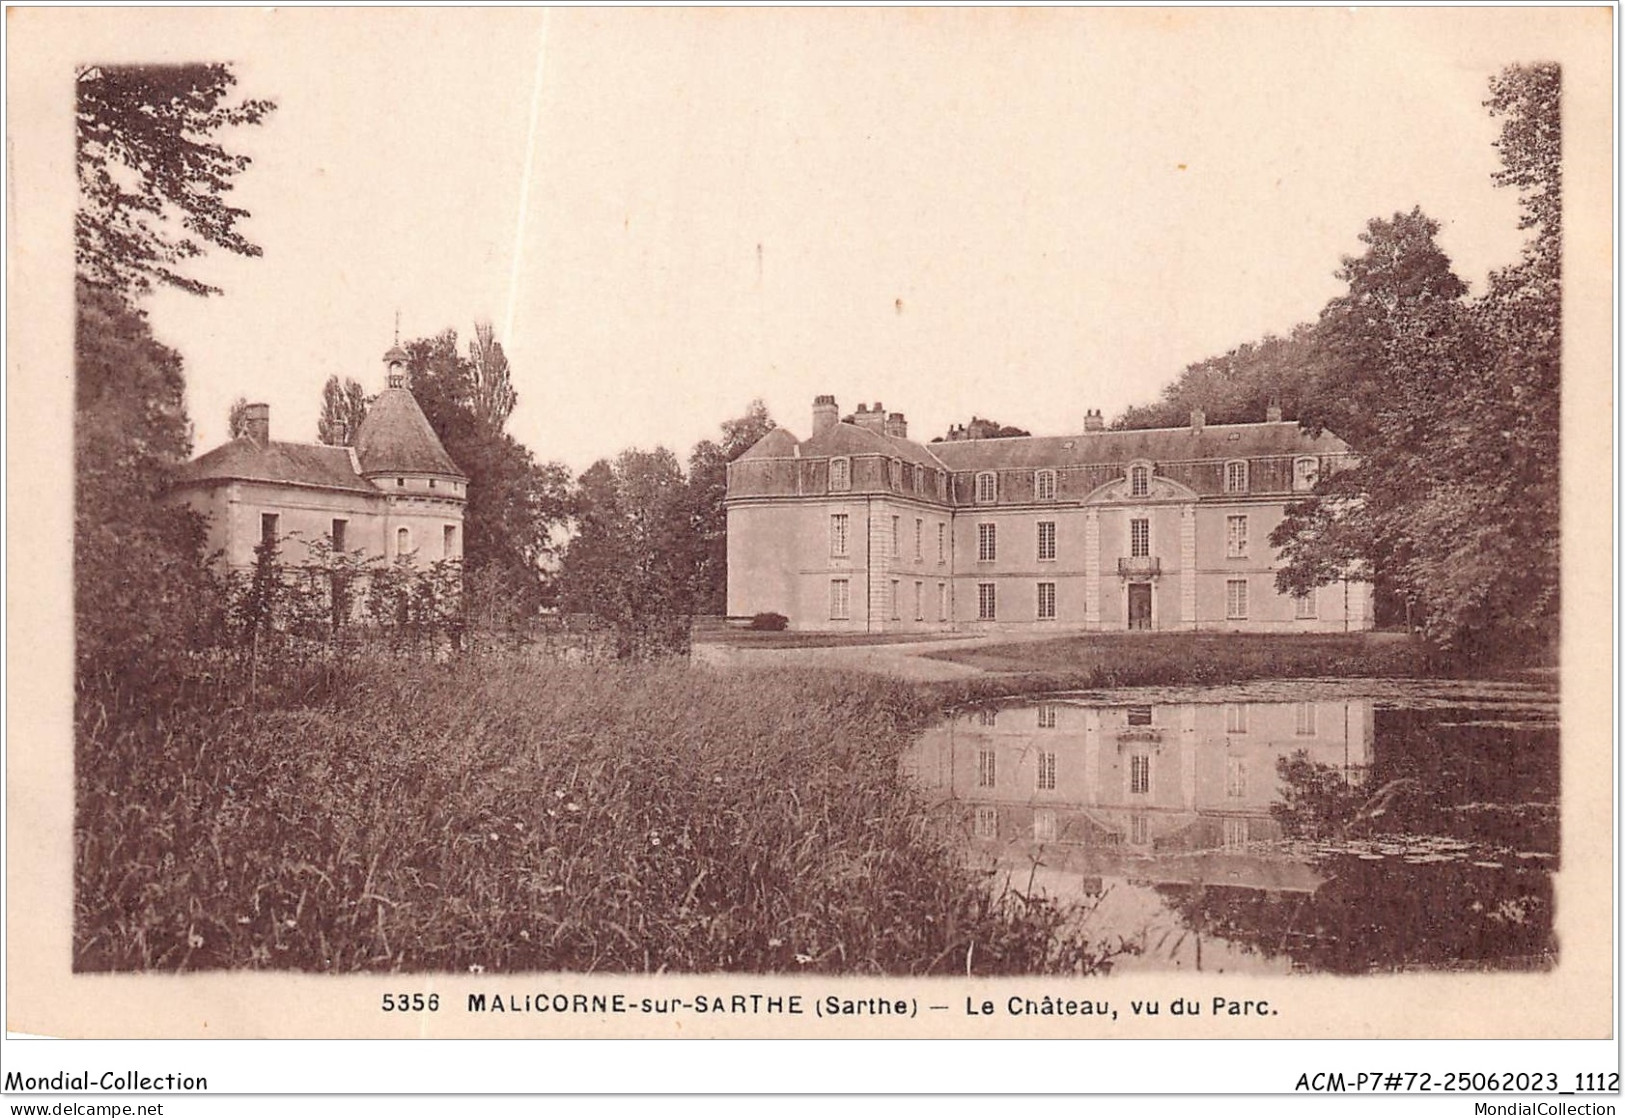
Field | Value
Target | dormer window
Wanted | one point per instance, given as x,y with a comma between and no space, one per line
840,474
1044,485
1305,472
1235,477
1139,481
987,488
896,472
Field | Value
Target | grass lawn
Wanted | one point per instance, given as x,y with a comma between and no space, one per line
502,815
1139,659
731,637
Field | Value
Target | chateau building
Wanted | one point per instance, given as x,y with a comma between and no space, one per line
859,528
395,492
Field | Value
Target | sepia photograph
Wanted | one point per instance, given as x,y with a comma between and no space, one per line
796,523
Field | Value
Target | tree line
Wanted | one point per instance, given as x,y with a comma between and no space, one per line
1450,401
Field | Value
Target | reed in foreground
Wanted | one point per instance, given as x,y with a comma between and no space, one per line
505,817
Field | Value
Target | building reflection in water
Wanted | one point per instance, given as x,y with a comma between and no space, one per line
1108,802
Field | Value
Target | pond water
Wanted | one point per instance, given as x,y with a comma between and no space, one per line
1341,827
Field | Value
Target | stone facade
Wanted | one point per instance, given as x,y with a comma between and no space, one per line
857,528
396,492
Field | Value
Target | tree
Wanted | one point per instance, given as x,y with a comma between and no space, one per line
1385,358
708,488
1238,387
979,428
491,390
629,564
344,406
515,504
237,418
152,181
142,591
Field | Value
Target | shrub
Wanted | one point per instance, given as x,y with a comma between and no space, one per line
770,622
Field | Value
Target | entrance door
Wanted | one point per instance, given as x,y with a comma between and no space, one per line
1139,605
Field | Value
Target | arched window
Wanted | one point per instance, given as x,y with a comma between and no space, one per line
1139,481
1305,472
840,474
987,488
1044,485
403,541
896,472
1235,476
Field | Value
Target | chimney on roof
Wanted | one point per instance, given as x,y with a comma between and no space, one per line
1198,418
897,425
1272,413
871,420
825,414
257,423
1093,420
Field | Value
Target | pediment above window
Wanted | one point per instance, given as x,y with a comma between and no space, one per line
1120,491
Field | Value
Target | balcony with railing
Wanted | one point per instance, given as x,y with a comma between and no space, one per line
1139,566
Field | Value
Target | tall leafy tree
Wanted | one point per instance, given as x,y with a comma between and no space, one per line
491,390
515,504
708,488
1386,356
237,418
1497,581
153,180
1454,408
344,406
140,581
630,562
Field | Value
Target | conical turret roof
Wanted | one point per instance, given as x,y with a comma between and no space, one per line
395,438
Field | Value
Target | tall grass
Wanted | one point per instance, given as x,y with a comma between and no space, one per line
503,816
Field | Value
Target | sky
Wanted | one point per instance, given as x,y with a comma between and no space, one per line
1018,214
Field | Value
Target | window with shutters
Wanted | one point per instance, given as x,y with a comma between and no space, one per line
839,531
987,605
987,768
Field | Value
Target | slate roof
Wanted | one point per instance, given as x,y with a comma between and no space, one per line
242,459
1166,444
777,443
395,438
848,438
